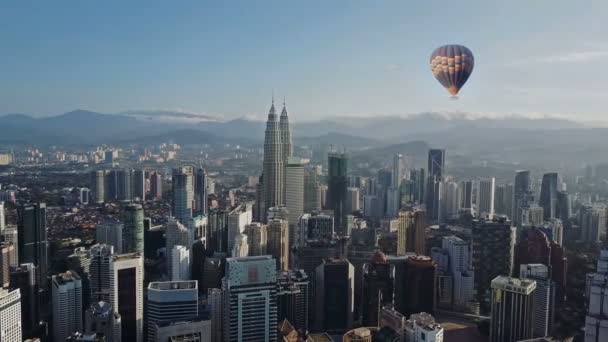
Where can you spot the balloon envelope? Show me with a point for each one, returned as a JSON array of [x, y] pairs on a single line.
[[452, 65]]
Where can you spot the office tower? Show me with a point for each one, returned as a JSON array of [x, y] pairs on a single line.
[[217, 240], [250, 299], [292, 298], [531, 216], [287, 148], [461, 270], [7, 252], [98, 185], [485, 198], [200, 192], [522, 195], [335, 295], [99, 272], [507, 199], [33, 246], [213, 271], [377, 288], [241, 247], [24, 279], [436, 172], [512, 309], [593, 223], [421, 327], [183, 194], [126, 293], [564, 205], [156, 185], [412, 231], [544, 297], [336, 192], [170, 301], [596, 287], [315, 227], [2, 219], [237, 220], [466, 195], [398, 170], [278, 243], [393, 202], [111, 185], [101, 319], [449, 201], [67, 305], [10, 235], [180, 266], [294, 194], [139, 184], [273, 164], [312, 196], [192, 329], [352, 200], [110, 233], [216, 309], [415, 285], [548, 195], [133, 230], [257, 237], [124, 185], [10, 315]]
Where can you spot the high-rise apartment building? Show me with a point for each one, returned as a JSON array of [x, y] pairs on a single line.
[[126, 293], [33, 245], [512, 309], [124, 184], [492, 247], [181, 263], [336, 193], [335, 295], [10, 315], [250, 299], [133, 230], [7, 252], [183, 194], [292, 298], [593, 223], [170, 301], [67, 305], [352, 199]]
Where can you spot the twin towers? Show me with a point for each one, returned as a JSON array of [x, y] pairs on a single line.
[[277, 149]]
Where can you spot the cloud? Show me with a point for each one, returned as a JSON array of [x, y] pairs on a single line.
[[569, 57]]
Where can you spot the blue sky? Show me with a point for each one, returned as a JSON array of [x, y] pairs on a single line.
[[329, 58]]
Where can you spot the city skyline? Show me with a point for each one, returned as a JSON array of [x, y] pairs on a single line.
[[212, 59]]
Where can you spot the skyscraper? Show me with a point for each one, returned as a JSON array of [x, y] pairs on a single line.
[[67, 305], [2, 219], [133, 231], [411, 233], [512, 309], [156, 185], [294, 193], [102, 320], [24, 279], [312, 196], [593, 223], [492, 253], [110, 233], [544, 297], [177, 235], [335, 295], [170, 301], [336, 192], [126, 293], [200, 192], [241, 247], [183, 194], [461, 270], [7, 252], [124, 184], [278, 243], [548, 195], [485, 198], [216, 308], [139, 184], [273, 163], [286, 145], [522, 195], [99, 272], [180, 266], [292, 298], [237, 220], [596, 287], [415, 285], [98, 185], [398, 170], [436, 172], [250, 299], [33, 246], [217, 240], [257, 237], [377, 288], [352, 200], [10, 315]]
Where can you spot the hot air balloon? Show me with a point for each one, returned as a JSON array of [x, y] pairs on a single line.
[[452, 66]]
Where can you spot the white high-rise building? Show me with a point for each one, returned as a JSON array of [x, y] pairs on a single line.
[[556, 227], [170, 301], [67, 305], [2, 219], [485, 197], [99, 272], [110, 233], [421, 327], [294, 193], [241, 247], [10, 316], [126, 294], [237, 220], [593, 222], [398, 171], [352, 199], [177, 234], [596, 321], [461, 269], [450, 201], [102, 320], [215, 302], [544, 297], [180, 267], [250, 299]]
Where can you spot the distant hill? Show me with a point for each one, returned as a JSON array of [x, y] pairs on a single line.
[[338, 140]]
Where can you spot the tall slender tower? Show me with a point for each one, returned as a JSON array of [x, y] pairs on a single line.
[[273, 163], [285, 134]]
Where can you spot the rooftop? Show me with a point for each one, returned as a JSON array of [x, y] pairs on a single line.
[[173, 285], [63, 278], [525, 286]]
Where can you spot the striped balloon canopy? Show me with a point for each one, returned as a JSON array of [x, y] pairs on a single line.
[[452, 66]]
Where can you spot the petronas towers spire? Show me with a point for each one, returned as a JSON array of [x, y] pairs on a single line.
[[277, 148]]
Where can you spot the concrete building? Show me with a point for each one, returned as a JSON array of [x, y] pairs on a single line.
[[98, 186], [596, 321], [156, 185], [67, 305], [250, 299], [416, 276], [352, 199], [238, 219], [241, 246], [278, 243], [593, 223], [99, 272], [170, 301], [216, 309], [110, 233], [512, 309], [421, 327], [411, 234], [544, 297], [139, 185], [126, 293], [10, 315], [7, 253], [180, 267], [378, 286], [101, 320], [257, 238], [197, 329], [200, 192]]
